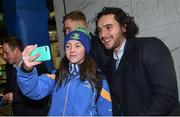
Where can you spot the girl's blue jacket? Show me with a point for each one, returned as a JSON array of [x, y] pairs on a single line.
[[74, 97]]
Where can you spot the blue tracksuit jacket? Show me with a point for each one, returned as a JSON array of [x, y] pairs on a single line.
[[73, 98]]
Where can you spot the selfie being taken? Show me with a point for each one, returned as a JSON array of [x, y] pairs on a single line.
[[89, 58]]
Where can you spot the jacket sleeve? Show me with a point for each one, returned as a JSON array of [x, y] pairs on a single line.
[[161, 76], [34, 86], [104, 104]]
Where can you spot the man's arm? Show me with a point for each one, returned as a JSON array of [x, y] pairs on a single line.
[[161, 75]]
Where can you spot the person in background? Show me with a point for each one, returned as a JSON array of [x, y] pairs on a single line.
[[143, 78], [76, 19], [21, 105], [74, 90]]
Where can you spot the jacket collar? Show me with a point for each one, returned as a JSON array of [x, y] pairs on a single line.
[[74, 69]]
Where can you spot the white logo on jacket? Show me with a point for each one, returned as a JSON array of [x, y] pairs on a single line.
[[87, 84]]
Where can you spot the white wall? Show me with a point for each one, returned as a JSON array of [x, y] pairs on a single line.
[[160, 18]]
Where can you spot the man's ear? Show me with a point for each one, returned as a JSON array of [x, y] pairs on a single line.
[[124, 28]]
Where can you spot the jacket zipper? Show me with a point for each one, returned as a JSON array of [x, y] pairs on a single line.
[[67, 93]]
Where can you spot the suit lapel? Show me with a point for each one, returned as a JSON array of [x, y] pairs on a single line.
[[118, 77], [125, 58]]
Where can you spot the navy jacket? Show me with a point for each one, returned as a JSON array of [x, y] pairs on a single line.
[[145, 81]]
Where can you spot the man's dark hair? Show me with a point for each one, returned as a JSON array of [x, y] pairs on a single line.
[[13, 42], [122, 18]]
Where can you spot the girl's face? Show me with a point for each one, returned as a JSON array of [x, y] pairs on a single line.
[[75, 51]]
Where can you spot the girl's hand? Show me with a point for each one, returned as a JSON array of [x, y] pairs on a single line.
[[28, 61]]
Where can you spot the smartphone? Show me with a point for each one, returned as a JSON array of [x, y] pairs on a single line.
[[44, 53]]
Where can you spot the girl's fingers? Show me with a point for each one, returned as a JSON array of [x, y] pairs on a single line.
[[28, 50]]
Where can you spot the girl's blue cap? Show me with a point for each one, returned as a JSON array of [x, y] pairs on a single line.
[[79, 36]]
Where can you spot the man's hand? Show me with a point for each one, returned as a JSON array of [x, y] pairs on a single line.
[[8, 97]]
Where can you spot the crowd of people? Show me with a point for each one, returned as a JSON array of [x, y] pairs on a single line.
[[112, 73]]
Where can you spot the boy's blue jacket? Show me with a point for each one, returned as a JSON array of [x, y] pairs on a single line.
[[69, 99]]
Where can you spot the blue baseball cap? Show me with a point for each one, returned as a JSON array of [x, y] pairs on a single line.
[[79, 36]]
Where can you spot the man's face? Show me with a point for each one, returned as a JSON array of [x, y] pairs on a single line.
[[110, 32], [69, 26], [9, 55]]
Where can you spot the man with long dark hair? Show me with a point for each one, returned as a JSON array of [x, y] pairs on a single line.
[[144, 79]]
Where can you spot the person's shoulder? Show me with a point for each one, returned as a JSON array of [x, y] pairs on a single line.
[[150, 42], [148, 39]]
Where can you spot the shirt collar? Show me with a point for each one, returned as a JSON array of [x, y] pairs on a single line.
[[117, 56]]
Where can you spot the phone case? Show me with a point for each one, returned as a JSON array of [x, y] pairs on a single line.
[[44, 52]]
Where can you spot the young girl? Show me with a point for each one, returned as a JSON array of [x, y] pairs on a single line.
[[74, 92]]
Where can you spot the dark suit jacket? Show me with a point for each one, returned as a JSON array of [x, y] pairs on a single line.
[[145, 81], [100, 55], [22, 105]]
